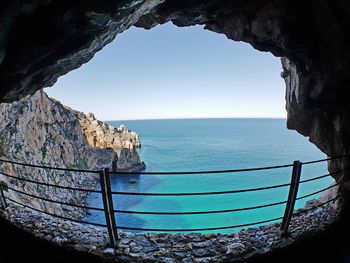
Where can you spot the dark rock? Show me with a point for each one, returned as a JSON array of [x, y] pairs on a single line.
[[201, 244], [167, 260], [136, 249], [109, 251], [149, 249], [180, 254], [200, 252], [187, 260], [235, 249], [134, 254]]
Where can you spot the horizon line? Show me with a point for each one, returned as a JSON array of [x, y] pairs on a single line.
[[194, 118]]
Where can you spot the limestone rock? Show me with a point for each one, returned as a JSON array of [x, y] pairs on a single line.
[[101, 135], [129, 160], [235, 249], [39, 130]]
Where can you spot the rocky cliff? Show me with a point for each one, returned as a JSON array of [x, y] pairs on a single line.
[[40, 130], [101, 135]]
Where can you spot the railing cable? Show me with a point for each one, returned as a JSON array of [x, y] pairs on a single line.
[[185, 172], [327, 159], [319, 191], [210, 172], [199, 229], [203, 193], [317, 206], [54, 215], [321, 176], [109, 210], [51, 185], [199, 212], [50, 167], [54, 201]]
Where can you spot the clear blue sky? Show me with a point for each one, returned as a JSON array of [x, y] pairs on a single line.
[[171, 72]]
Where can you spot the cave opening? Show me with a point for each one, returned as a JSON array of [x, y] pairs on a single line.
[[170, 84], [170, 72], [311, 109]]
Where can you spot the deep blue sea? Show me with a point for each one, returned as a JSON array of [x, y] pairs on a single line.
[[212, 144]]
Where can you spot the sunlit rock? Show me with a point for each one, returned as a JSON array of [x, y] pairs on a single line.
[[40, 130]]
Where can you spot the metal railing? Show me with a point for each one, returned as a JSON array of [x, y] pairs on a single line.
[[110, 212]]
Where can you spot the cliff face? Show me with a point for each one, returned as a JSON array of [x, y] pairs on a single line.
[[123, 141], [40, 130], [101, 135]]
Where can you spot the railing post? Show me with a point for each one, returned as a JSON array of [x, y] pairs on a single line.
[[108, 205], [293, 192], [3, 203]]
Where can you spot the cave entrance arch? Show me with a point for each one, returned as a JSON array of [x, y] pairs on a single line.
[[316, 105], [46, 40], [139, 40]]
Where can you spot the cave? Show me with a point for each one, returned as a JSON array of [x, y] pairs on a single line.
[[43, 40]]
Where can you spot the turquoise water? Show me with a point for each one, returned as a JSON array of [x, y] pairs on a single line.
[[212, 144]]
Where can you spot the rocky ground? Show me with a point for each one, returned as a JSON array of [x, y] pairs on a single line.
[[147, 247]]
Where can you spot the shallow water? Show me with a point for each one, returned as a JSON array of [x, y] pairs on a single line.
[[212, 144]]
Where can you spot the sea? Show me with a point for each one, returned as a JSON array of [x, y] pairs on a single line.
[[178, 145]]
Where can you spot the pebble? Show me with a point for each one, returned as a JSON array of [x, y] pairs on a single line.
[[200, 252], [109, 251], [187, 260], [169, 248], [235, 249], [136, 249], [201, 244]]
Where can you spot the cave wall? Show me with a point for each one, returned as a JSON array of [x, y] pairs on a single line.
[[44, 39]]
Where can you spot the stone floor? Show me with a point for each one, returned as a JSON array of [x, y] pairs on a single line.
[[147, 247]]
